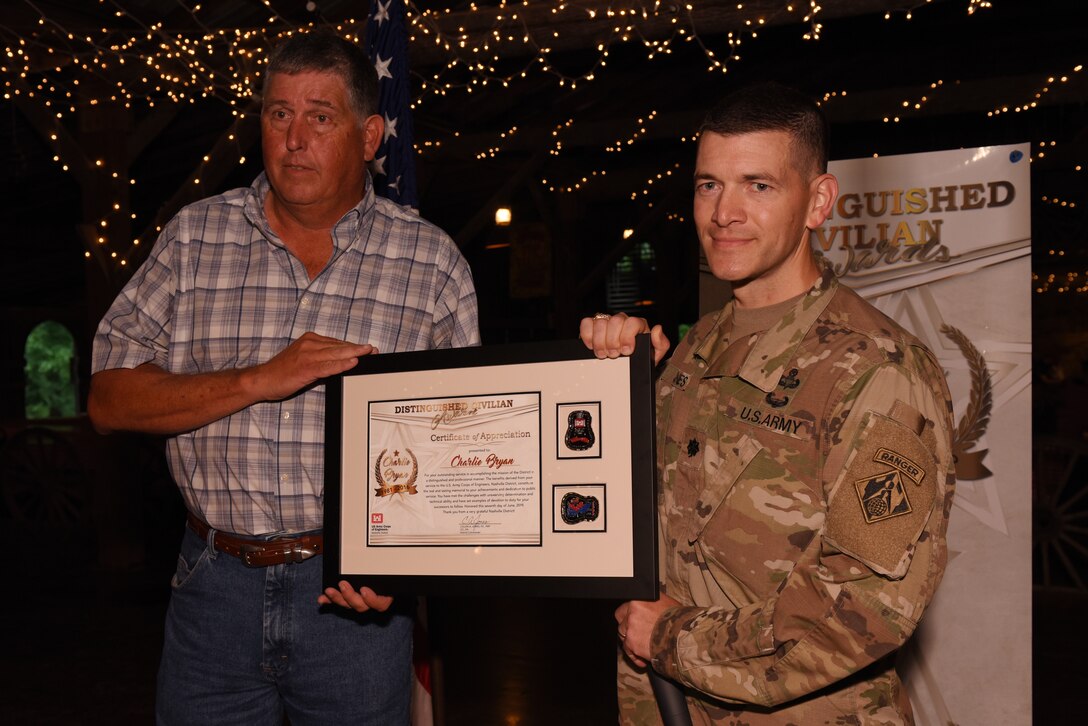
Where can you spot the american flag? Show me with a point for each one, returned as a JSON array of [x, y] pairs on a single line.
[[394, 166]]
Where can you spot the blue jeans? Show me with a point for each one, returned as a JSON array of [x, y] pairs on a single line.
[[245, 645]]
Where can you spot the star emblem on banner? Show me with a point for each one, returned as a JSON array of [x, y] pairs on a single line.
[[1009, 366], [382, 67], [378, 166], [390, 127]]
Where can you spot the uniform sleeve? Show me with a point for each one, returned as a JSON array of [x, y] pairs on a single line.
[[456, 322], [137, 327], [860, 586]]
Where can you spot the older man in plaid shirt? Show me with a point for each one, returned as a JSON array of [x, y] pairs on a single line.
[[247, 300]]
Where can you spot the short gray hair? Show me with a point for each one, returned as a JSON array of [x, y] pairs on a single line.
[[324, 50]]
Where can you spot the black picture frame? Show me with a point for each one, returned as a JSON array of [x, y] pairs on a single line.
[[557, 372]]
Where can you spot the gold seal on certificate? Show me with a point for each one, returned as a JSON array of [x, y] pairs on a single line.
[[391, 469]]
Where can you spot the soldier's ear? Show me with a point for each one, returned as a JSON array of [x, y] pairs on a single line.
[[824, 190]]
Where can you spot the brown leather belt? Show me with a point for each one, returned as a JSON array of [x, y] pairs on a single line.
[[260, 552]]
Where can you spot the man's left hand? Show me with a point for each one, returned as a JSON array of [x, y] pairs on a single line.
[[363, 600], [636, 620], [610, 336]]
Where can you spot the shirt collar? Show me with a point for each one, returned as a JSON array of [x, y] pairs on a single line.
[[344, 232]]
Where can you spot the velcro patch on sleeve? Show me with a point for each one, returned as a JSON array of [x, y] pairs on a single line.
[[883, 499]]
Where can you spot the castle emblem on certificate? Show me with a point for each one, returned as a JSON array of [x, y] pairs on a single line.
[[462, 470]]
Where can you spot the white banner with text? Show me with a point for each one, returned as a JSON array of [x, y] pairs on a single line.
[[941, 242]]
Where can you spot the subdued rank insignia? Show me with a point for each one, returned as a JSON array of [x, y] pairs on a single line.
[[575, 508], [693, 447], [579, 436], [882, 496], [681, 379]]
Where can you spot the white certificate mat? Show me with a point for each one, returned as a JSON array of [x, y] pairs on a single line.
[[445, 473]]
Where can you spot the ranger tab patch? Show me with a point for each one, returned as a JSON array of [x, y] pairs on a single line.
[[900, 462]]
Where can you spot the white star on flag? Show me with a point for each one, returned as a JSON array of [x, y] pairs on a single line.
[[382, 12], [382, 67], [387, 47]]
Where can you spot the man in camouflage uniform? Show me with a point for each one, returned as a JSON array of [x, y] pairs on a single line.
[[804, 451]]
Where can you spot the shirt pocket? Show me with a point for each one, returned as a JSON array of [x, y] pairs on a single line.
[[756, 519], [703, 477]]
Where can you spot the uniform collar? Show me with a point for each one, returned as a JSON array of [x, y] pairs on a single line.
[[769, 356]]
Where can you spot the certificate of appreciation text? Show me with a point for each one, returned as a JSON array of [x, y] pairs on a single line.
[[462, 470]]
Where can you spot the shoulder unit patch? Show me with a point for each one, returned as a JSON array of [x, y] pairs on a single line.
[[884, 497]]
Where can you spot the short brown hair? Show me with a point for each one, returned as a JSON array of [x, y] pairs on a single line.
[[774, 107]]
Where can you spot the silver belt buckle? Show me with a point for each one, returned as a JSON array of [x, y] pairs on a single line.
[[298, 553]]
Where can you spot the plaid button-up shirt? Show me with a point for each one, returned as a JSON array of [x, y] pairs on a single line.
[[220, 291]]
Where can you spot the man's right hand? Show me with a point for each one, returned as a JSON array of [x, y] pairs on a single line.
[[306, 360], [610, 336], [149, 399]]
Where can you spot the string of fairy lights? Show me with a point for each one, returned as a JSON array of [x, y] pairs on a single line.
[[493, 45], [510, 35]]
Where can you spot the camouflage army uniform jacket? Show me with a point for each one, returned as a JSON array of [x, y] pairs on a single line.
[[806, 478]]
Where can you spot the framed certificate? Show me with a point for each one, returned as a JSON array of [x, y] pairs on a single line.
[[514, 470]]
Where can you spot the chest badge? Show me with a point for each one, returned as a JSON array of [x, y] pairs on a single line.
[[788, 381], [693, 447], [681, 380]]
